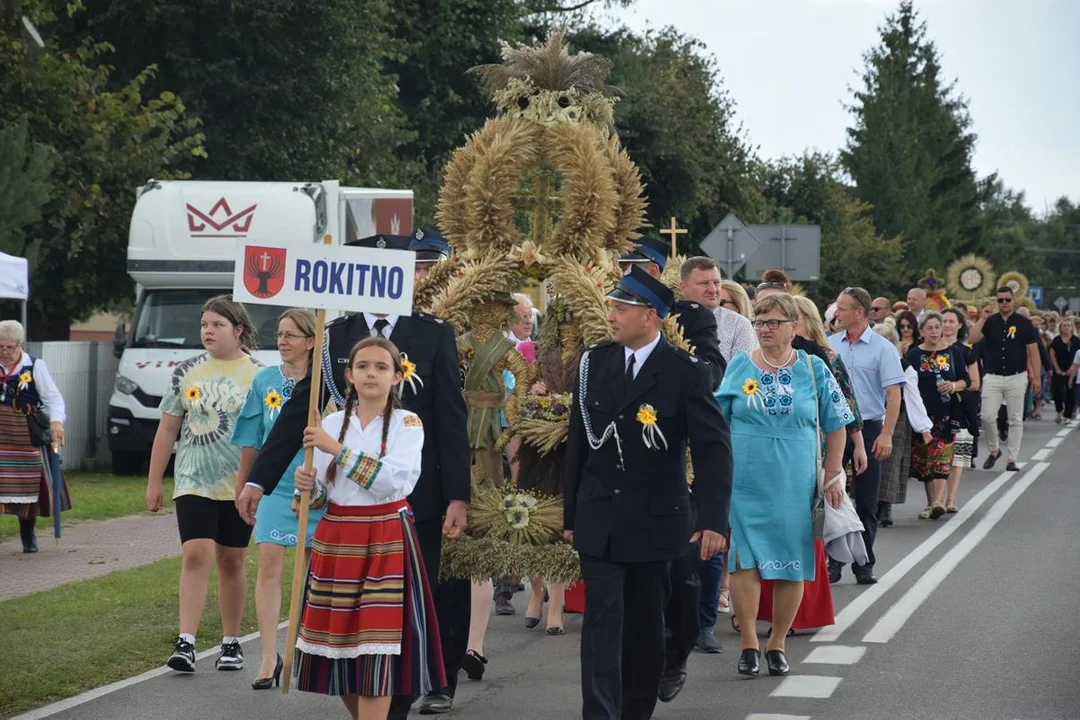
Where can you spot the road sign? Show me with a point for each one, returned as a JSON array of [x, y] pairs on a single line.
[[795, 249], [1061, 303], [325, 276], [1036, 294], [731, 243]]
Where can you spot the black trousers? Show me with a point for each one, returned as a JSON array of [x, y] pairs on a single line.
[[865, 490], [622, 637], [1064, 397], [683, 610], [452, 602]]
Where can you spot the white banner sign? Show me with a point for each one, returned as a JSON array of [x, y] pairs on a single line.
[[325, 276]]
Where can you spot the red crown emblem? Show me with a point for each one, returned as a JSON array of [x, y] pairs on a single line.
[[208, 225], [264, 271]]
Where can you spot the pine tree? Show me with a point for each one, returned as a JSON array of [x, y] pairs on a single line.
[[909, 152]]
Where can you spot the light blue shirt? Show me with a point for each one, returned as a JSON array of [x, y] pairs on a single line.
[[509, 381], [873, 364]]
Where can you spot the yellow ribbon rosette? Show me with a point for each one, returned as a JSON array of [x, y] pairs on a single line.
[[273, 401], [24, 380], [650, 431], [409, 374], [750, 390]]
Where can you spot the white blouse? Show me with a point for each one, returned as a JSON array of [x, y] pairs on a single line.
[[916, 409], [46, 387], [362, 477]]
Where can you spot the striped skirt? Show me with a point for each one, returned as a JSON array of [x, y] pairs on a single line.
[[24, 485], [368, 625]]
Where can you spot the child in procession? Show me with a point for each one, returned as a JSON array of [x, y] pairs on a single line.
[[202, 405], [368, 628]]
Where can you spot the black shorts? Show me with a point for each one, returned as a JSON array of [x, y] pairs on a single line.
[[201, 518]]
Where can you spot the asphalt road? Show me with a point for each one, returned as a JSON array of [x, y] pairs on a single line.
[[975, 618]]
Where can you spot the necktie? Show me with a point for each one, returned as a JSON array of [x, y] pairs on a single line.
[[380, 327], [628, 378]]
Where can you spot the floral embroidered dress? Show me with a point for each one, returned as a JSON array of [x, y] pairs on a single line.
[[773, 416], [275, 522]]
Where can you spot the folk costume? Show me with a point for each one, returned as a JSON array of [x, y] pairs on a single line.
[[628, 503], [275, 521], [368, 625], [432, 391], [933, 461], [26, 487]]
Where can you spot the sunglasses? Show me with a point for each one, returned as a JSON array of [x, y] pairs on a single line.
[[906, 326], [877, 309], [850, 292], [724, 302], [772, 286], [1004, 300]]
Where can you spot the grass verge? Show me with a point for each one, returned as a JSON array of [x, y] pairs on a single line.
[[64, 641], [94, 496]]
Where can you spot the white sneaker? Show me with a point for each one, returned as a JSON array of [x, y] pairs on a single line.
[[231, 657]]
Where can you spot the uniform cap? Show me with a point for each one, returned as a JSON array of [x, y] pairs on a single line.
[[638, 287]]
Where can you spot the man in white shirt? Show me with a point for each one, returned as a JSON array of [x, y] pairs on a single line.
[[521, 329]]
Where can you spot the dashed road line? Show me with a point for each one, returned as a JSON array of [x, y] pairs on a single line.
[[774, 716], [817, 687], [835, 655]]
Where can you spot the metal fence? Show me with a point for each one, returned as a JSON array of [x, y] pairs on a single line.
[[85, 373]]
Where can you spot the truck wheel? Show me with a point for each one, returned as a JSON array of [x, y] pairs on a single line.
[[128, 463]]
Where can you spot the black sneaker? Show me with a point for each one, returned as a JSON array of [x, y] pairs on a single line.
[[231, 657], [990, 460], [183, 657], [1011, 467], [503, 606]]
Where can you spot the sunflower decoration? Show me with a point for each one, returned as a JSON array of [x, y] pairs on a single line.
[[273, 401], [970, 278], [651, 433], [193, 394], [751, 391], [409, 375], [25, 378], [942, 362]]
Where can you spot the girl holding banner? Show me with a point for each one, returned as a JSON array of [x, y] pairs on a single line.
[[368, 628]]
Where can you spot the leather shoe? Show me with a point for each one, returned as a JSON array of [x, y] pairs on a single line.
[[866, 579], [436, 704], [990, 460], [749, 662], [671, 682], [835, 570], [777, 662], [707, 642]]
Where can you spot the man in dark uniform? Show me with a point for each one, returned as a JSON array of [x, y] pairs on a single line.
[[442, 491], [627, 504]]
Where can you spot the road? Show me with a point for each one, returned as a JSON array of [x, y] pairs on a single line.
[[975, 618]]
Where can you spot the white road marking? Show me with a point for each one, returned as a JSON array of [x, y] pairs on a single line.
[[855, 609], [835, 655], [1041, 454], [1054, 442], [891, 623], [807, 686], [1066, 431], [71, 702], [773, 716]]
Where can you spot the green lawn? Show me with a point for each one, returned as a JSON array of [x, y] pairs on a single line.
[[64, 641], [94, 496]]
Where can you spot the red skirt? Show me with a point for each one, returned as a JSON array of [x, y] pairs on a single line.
[[368, 625], [816, 610]]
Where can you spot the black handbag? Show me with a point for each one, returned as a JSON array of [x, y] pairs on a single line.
[[40, 432]]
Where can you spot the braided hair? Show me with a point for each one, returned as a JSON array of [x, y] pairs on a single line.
[[393, 400]]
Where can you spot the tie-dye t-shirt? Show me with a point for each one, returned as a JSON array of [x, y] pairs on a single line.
[[208, 395]]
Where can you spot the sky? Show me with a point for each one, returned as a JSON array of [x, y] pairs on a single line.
[[789, 64]]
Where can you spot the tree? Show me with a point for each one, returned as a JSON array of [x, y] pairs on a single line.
[[807, 190], [677, 122], [24, 184], [909, 151], [287, 90], [105, 142]]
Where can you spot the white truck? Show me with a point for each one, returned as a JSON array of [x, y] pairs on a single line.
[[181, 246]]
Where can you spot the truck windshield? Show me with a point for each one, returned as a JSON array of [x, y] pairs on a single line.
[[172, 319]]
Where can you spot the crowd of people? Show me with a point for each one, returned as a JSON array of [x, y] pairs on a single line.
[[773, 395]]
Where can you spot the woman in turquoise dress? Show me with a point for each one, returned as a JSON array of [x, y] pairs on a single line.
[[275, 519], [769, 400]]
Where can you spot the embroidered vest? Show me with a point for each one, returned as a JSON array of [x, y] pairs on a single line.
[[23, 396]]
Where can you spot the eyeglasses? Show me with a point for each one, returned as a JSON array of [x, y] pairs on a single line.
[[1004, 300], [850, 292], [878, 309], [771, 324], [724, 302], [290, 336]]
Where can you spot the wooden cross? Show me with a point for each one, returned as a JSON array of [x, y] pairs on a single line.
[[674, 231], [542, 204]]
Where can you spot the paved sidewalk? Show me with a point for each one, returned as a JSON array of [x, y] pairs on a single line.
[[87, 550]]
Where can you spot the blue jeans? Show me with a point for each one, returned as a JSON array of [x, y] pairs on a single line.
[[710, 572]]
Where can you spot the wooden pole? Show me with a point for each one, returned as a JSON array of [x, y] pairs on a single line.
[[299, 566]]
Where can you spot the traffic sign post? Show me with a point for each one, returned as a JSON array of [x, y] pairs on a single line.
[[1061, 303], [1036, 294], [796, 249]]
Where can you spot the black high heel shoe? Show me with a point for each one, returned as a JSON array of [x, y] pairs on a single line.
[[268, 682], [777, 662], [749, 662]]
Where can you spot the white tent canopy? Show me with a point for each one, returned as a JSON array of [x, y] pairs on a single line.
[[15, 280], [14, 277]]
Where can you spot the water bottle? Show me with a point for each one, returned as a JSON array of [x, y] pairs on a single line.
[[938, 380]]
